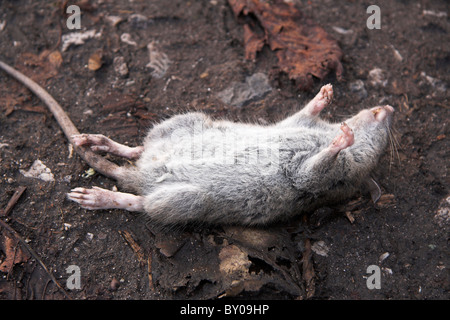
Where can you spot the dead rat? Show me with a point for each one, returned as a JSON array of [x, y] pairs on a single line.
[[192, 168]]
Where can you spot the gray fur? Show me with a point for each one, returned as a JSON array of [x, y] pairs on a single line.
[[194, 169]]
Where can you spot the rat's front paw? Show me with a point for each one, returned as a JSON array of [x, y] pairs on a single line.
[[343, 140]]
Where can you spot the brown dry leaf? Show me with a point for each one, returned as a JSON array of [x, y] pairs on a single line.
[[13, 253], [95, 61], [233, 260], [350, 217], [38, 68], [386, 200], [303, 48], [55, 58]]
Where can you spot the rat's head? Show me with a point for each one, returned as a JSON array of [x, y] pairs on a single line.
[[372, 126], [377, 117], [372, 131], [363, 139]]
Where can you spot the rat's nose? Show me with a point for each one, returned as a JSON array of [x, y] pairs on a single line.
[[389, 108]]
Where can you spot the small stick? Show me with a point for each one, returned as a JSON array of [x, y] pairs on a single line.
[[308, 270], [34, 254], [12, 202], [133, 244], [150, 274]]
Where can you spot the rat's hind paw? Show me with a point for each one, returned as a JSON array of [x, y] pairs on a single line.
[[97, 142], [98, 198], [320, 101], [91, 199]]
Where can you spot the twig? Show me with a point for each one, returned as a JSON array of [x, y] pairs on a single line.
[[133, 244], [35, 256], [12, 202], [308, 270], [150, 274]]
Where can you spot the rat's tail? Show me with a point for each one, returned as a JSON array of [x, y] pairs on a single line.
[[97, 162]]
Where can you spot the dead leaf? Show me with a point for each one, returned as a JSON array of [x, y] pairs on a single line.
[[42, 69], [168, 245], [386, 200], [304, 49], [350, 216], [233, 261], [227, 264], [13, 253], [95, 61], [55, 58]]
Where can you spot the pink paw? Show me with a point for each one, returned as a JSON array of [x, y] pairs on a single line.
[[326, 94], [92, 199], [98, 198], [96, 142], [321, 100], [343, 140]]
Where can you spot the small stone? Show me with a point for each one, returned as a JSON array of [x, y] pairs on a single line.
[[358, 88], [113, 20], [39, 171], [442, 216], [126, 38], [115, 284], [320, 248], [383, 257], [120, 66], [377, 77], [239, 94], [139, 21]]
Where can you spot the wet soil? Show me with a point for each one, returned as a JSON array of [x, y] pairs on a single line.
[[120, 256]]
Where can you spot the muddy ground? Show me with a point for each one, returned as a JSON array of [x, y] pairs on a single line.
[[120, 256]]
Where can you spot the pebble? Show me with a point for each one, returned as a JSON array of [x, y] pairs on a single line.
[[139, 21], [320, 248], [377, 77], [120, 66], [240, 93], [357, 87], [126, 38], [39, 171], [442, 216], [115, 284]]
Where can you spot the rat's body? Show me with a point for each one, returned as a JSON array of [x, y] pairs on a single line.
[[194, 169]]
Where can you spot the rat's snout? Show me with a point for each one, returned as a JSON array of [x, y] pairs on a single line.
[[378, 114], [381, 113]]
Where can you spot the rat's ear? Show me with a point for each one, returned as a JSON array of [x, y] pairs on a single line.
[[372, 186]]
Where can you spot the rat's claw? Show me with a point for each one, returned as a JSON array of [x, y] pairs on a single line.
[[83, 197]]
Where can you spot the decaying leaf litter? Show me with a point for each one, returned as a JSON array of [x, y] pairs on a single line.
[[304, 50], [211, 262]]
